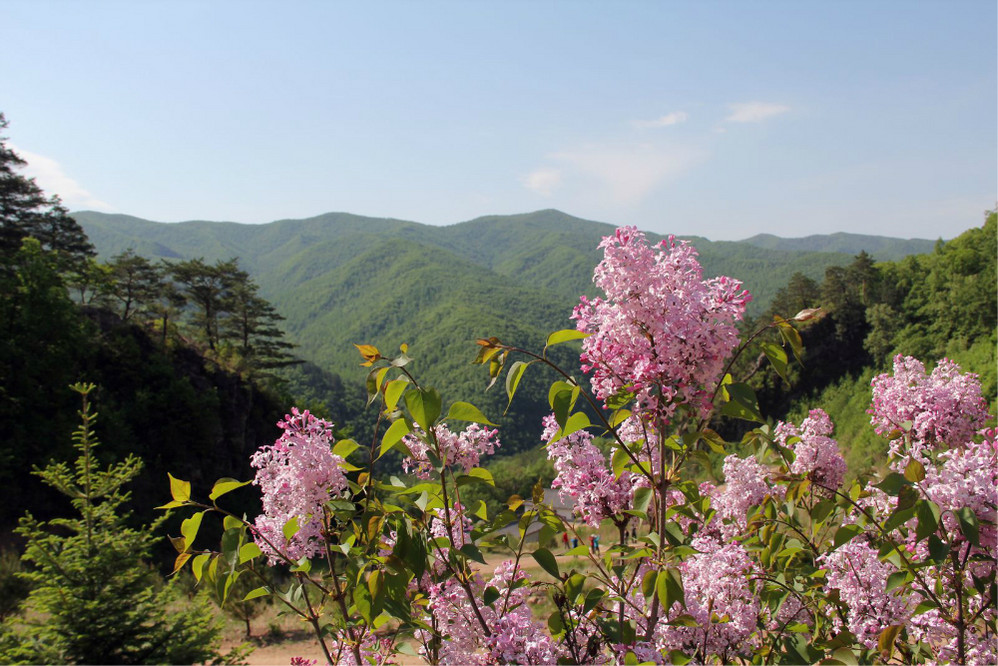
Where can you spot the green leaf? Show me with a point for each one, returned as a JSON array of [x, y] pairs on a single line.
[[669, 588], [547, 561], [684, 621], [472, 552], [592, 598], [249, 551], [642, 498], [555, 624], [362, 601], [619, 417], [490, 595], [886, 640], [578, 551], [914, 472], [476, 475], [225, 485], [197, 566], [393, 391], [424, 406], [846, 533], [396, 431], [482, 511], [777, 357], [938, 550], [180, 490], [968, 525], [576, 422], [893, 483], [741, 403], [928, 519], [564, 335], [344, 448], [258, 592], [792, 337], [179, 563], [619, 461], [821, 510], [513, 379], [899, 518], [290, 528], [561, 397], [465, 411], [189, 528], [895, 579], [679, 658]]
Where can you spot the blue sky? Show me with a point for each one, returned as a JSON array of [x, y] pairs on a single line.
[[721, 119]]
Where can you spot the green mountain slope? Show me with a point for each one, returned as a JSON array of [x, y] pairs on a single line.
[[881, 248], [341, 279]]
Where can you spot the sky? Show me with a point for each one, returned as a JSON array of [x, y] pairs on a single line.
[[709, 118]]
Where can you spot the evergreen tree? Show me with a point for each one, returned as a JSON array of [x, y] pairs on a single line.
[[252, 324], [95, 598], [26, 211], [207, 287], [136, 283]]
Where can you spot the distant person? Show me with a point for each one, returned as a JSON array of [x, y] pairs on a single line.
[[634, 534], [596, 543], [575, 542], [592, 544], [564, 539]]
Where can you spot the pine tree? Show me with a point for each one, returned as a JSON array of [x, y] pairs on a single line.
[[252, 324], [96, 599], [26, 211], [207, 287], [137, 283]]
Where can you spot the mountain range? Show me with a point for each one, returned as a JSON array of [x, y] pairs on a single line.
[[341, 279]]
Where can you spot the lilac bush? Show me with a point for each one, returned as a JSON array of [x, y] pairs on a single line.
[[779, 561]]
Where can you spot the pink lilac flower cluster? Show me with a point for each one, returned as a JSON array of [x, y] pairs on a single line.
[[514, 637], [945, 406], [719, 596], [374, 651], [636, 428], [746, 484], [816, 455], [584, 475], [662, 331], [861, 580], [979, 647], [459, 533], [968, 477], [463, 450], [297, 475]]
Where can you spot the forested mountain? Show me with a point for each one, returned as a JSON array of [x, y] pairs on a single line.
[[341, 279], [881, 248]]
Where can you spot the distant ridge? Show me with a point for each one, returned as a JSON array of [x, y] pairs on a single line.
[[881, 248], [341, 279]]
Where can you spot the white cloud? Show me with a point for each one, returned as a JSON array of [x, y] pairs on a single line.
[[542, 181], [754, 112], [49, 176], [673, 118], [628, 173]]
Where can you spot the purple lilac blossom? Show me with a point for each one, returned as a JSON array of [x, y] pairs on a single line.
[[816, 455], [662, 331], [297, 475]]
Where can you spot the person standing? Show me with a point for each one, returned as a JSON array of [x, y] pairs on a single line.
[[564, 540]]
